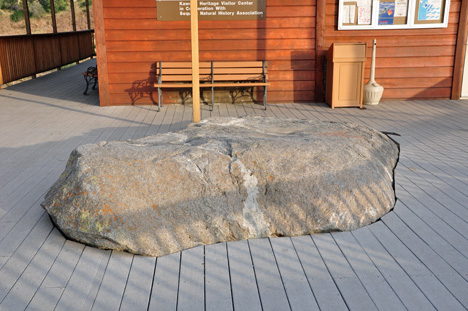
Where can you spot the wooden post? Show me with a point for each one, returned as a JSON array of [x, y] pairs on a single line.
[[52, 15], [87, 14], [195, 60], [1, 76], [26, 17], [72, 10], [101, 53], [460, 60], [320, 51]]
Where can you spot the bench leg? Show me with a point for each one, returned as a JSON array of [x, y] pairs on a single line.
[[212, 98], [159, 99], [265, 98], [95, 83], [88, 80]]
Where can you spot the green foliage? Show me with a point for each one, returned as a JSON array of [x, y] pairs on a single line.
[[60, 5], [9, 4], [36, 10], [83, 4], [17, 16]]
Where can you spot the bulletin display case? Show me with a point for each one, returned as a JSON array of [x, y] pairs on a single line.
[[392, 14]]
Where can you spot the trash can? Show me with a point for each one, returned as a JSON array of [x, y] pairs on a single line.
[[345, 74]]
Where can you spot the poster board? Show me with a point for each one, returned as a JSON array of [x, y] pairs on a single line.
[[392, 14], [429, 11]]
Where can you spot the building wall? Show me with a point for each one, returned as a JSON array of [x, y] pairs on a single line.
[[410, 63], [135, 40]]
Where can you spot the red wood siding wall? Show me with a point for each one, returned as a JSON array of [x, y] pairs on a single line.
[[411, 63], [134, 40]]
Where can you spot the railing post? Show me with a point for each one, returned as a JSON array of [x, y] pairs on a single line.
[[52, 15], [72, 10], [87, 14], [26, 17]]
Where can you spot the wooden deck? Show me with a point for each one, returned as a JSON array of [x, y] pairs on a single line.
[[415, 258]]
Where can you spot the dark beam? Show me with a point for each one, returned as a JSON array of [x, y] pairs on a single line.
[[26, 17], [87, 14], [73, 16], [52, 15]]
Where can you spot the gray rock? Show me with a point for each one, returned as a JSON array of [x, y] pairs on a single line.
[[224, 179]]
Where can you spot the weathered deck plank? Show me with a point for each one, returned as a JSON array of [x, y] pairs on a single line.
[[217, 279], [165, 283], [112, 288], [416, 258], [243, 282], [269, 281]]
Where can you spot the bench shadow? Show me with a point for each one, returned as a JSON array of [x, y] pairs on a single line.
[[143, 90]]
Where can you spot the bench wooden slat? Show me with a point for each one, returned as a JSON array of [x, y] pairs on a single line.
[[241, 84], [90, 74], [184, 78], [238, 64], [166, 65], [230, 70], [174, 85], [237, 77], [184, 71]]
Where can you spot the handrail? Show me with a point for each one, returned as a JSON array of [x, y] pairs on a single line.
[[27, 55], [48, 34]]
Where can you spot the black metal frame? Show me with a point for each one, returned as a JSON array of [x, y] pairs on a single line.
[[90, 75]]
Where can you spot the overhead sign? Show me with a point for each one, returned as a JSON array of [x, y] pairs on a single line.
[[176, 10]]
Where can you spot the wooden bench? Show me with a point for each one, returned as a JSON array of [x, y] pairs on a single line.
[[238, 76], [91, 74]]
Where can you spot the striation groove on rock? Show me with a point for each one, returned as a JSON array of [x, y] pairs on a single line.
[[224, 179]]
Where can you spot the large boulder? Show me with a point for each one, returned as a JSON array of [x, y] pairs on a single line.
[[224, 179]]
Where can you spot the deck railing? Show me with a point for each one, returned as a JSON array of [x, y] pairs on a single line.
[[27, 55]]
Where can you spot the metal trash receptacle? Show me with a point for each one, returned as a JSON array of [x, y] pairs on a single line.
[[345, 74]]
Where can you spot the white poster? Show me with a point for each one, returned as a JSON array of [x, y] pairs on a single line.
[[401, 8], [352, 13], [364, 15], [346, 14], [365, 3]]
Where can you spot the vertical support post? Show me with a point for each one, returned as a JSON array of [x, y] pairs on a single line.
[[52, 15], [73, 16], [460, 49], [87, 14], [1, 76], [101, 53], [195, 60], [320, 50], [26, 17]]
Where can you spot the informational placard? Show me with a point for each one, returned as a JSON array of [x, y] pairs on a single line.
[[429, 11], [401, 8], [364, 15], [386, 13], [176, 10]]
